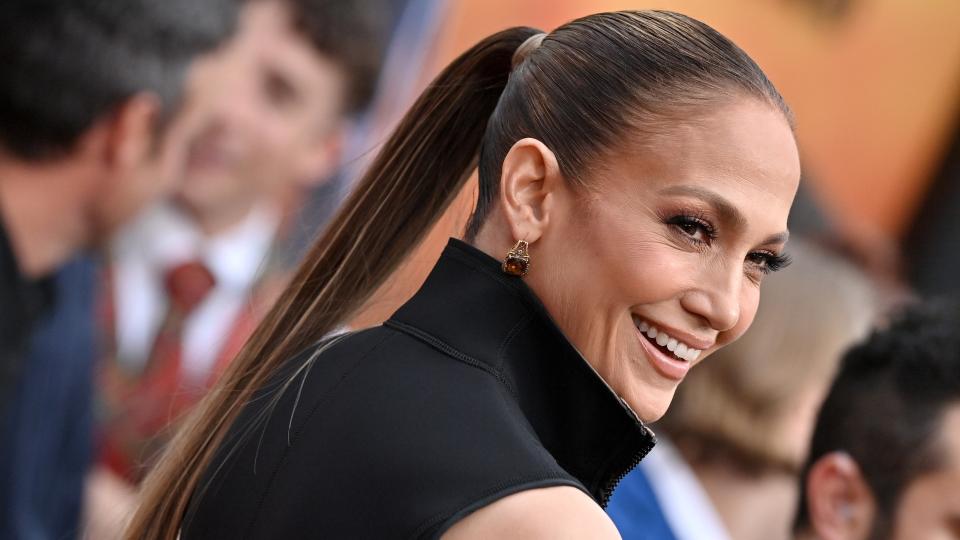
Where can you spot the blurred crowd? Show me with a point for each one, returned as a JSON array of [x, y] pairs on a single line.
[[164, 167]]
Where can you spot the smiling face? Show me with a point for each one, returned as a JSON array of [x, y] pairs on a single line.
[[658, 261], [277, 106]]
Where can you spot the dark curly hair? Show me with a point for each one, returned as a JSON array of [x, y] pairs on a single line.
[[885, 407]]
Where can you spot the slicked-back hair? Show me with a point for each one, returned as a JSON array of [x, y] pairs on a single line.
[[68, 63]]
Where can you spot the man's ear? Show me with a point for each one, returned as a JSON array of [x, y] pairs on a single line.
[[132, 132], [840, 503], [529, 183]]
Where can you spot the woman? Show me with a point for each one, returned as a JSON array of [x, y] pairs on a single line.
[[636, 171]]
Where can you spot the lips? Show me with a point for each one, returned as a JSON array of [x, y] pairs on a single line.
[[212, 149], [206, 156], [664, 340], [670, 356]]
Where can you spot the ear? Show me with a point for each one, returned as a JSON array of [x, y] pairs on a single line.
[[529, 184], [132, 134], [839, 500], [318, 163]]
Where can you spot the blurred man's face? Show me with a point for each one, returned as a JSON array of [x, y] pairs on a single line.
[[275, 122], [929, 507], [143, 163]]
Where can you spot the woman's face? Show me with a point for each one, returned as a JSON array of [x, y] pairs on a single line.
[[659, 262]]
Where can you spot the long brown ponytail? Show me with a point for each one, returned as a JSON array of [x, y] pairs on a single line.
[[419, 170]]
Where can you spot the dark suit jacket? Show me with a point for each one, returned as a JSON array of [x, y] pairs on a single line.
[[45, 430], [22, 302]]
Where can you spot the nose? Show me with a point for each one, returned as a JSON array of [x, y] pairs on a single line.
[[235, 104], [717, 298]]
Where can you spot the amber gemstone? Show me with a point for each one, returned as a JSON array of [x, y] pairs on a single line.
[[516, 267]]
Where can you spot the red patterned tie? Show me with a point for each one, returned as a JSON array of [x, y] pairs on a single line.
[[159, 395], [186, 285]]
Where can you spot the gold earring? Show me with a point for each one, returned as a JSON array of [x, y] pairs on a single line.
[[517, 261]]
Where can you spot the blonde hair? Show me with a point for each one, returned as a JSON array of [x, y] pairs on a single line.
[[733, 407]]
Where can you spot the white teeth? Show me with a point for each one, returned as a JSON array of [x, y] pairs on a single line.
[[678, 348]]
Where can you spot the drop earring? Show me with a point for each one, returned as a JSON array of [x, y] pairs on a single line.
[[517, 261]]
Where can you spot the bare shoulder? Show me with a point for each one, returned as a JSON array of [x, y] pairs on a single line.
[[561, 512]]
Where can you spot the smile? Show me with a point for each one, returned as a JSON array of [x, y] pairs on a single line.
[[664, 340], [670, 356]]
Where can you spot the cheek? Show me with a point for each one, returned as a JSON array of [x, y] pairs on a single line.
[[271, 134], [749, 302], [133, 193], [271, 154], [269, 125], [285, 141], [919, 515], [634, 265]]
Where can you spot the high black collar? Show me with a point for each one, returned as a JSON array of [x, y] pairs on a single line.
[[495, 322]]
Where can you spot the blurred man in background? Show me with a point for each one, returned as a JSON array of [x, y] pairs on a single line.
[[92, 126], [190, 280], [885, 457], [87, 87], [736, 435]]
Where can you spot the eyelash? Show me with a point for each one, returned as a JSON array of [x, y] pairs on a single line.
[[771, 261], [766, 262], [684, 221]]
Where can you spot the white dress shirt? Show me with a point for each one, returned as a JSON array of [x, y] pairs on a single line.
[[163, 238], [685, 504]]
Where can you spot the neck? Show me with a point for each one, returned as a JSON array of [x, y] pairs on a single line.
[[42, 206], [752, 508], [494, 238]]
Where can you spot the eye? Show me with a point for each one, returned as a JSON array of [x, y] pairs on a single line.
[[697, 229], [278, 89], [767, 261]]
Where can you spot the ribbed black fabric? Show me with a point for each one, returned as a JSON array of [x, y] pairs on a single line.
[[467, 394]]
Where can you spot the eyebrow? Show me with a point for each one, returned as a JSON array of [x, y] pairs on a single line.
[[726, 210]]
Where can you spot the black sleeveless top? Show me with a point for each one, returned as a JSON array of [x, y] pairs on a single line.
[[469, 393]]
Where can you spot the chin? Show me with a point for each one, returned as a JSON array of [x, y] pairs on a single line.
[[650, 404]]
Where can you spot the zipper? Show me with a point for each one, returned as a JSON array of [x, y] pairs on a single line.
[[607, 491]]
